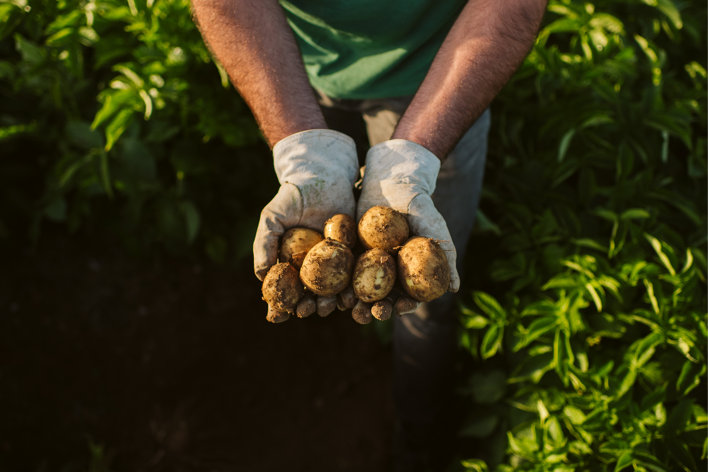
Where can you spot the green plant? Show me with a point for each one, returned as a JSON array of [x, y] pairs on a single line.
[[596, 192], [120, 108]]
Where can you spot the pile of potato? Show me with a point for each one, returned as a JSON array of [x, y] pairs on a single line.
[[320, 272]]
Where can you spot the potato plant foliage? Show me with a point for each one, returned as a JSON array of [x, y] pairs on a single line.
[[592, 350], [590, 333], [113, 113]]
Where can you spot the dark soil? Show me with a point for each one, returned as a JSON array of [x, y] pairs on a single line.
[[173, 366]]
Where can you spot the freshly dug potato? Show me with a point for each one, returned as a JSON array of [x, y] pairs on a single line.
[[382, 309], [405, 305], [362, 312], [326, 305], [296, 243], [275, 316], [306, 307], [423, 269], [282, 288], [341, 228], [383, 228], [374, 275], [327, 268], [346, 299]]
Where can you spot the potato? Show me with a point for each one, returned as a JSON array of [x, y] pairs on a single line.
[[362, 312], [306, 307], [423, 269], [327, 268], [374, 275], [383, 228], [326, 305], [296, 243], [275, 316], [341, 228], [346, 299], [382, 309], [405, 305], [282, 288]]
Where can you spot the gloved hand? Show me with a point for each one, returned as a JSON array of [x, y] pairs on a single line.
[[401, 174], [316, 170]]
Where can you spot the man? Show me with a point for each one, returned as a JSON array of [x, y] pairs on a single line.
[[422, 73]]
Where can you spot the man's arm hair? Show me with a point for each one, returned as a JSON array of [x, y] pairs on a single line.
[[485, 46], [257, 48]]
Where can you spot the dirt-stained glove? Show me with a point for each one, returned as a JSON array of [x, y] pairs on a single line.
[[401, 174], [316, 170]]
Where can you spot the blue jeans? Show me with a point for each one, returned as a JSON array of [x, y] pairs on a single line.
[[424, 342]]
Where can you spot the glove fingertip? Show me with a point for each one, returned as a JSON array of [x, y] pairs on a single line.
[[261, 273]]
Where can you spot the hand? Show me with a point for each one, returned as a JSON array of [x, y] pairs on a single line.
[[316, 170], [401, 175]]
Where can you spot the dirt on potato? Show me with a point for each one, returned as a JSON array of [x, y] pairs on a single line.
[[341, 228], [423, 270], [383, 228], [282, 289], [327, 269]]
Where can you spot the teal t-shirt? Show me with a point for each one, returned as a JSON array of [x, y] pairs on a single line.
[[369, 48]]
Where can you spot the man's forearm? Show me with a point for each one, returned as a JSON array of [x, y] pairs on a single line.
[[485, 46], [255, 45]]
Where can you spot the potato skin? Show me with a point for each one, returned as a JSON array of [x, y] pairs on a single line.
[[327, 268], [382, 309], [341, 228], [383, 228], [423, 269], [282, 288], [374, 275], [296, 243]]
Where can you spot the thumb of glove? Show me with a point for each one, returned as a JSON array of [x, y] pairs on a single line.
[[283, 212]]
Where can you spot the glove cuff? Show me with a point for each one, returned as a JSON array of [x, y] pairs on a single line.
[[403, 161], [316, 153]]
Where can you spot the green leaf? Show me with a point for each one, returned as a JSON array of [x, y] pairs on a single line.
[[646, 348], [30, 52], [475, 322], [690, 377], [668, 8], [489, 305], [574, 415], [590, 243], [627, 382], [656, 244], [536, 329], [105, 175], [114, 102], [624, 461], [635, 214], [482, 224], [652, 298], [595, 297], [678, 417], [565, 144], [116, 127], [475, 465], [492, 341], [680, 453]]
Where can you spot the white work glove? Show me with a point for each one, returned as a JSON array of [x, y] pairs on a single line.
[[401, 174], [316, 170]]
